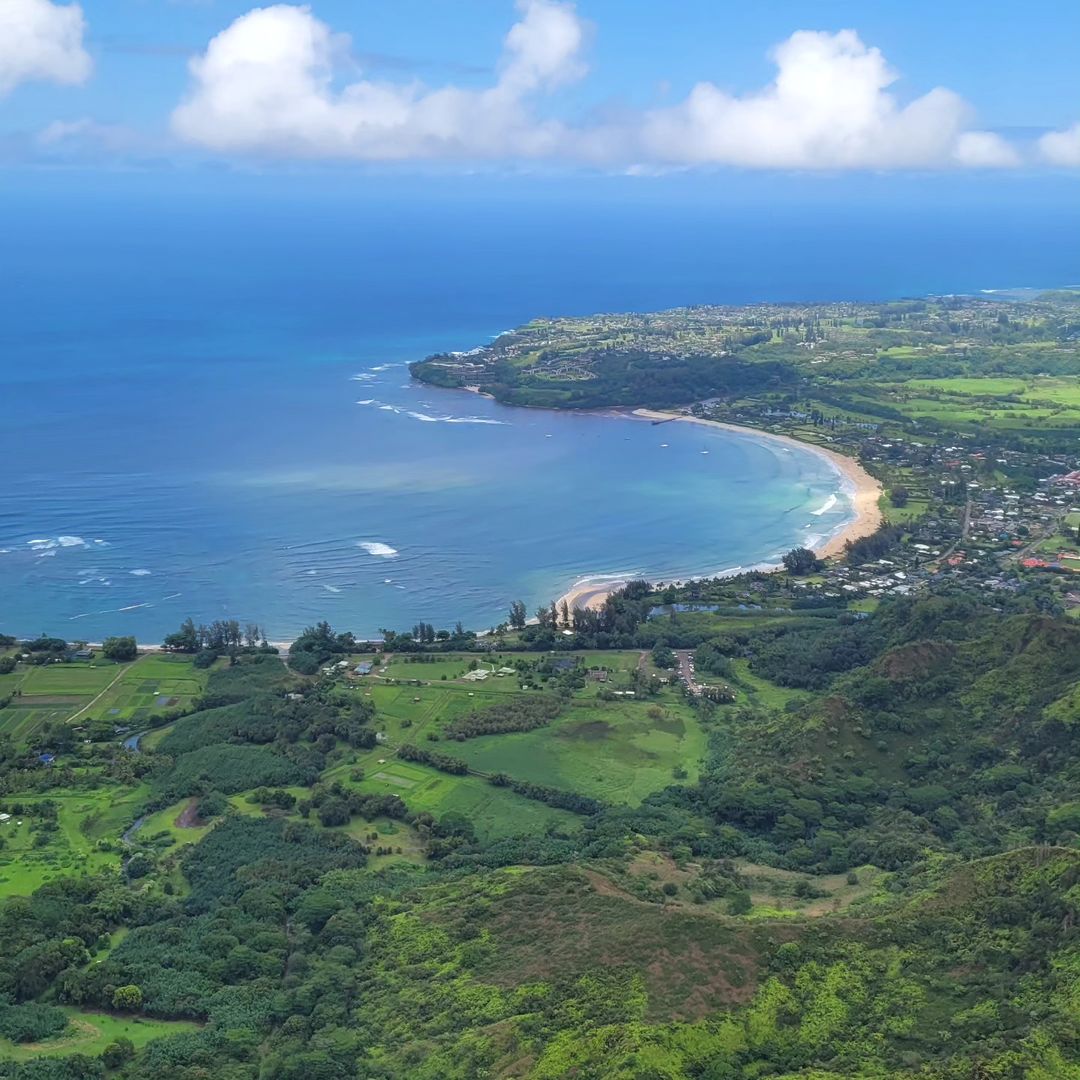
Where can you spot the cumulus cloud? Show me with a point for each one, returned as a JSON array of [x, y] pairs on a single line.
[[40, 40], [1062, 147], [828, 108], [266, 85]]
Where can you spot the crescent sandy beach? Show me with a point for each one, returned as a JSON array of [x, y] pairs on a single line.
[[862, 489]]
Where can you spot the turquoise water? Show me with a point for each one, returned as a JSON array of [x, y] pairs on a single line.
[[206, 409]]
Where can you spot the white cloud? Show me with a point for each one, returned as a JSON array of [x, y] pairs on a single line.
[[87, 132], [828, 108], [40, 40], [1062, 147], [265, 85]]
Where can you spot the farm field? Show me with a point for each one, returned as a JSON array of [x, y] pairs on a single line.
[[614, 751], [90, 1032], [130, 693], [153, 684], [84, 818]]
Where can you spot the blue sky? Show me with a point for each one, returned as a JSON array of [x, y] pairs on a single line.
[[606, 87]]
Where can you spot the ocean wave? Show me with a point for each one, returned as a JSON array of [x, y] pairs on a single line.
[[332, 588], [383, 367], [133, 607], [367, 401], [829, 503], [389, 408], [49, 543], [425, 418], [364, 377], [380, 550], [139, 573]]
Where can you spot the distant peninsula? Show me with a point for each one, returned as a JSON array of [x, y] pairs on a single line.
[[846, 355]]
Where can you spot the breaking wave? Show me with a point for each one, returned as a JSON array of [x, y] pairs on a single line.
[[382, 551]]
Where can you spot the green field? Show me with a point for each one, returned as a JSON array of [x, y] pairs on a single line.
[[1003, 403], [165, 821], [449, 668], [85, 818], [125, 694], [90, 1032], [494, 811], [757, 691], [614, 751], [70, 679], [153, 684], [407, 712]]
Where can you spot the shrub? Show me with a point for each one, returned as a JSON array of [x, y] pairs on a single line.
[[31, 1022]]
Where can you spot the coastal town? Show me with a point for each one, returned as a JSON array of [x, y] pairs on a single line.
[[961, 460]]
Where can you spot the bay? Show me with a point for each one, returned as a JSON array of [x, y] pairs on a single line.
[[206, 408]]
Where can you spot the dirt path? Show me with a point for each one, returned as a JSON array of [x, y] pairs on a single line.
[[90, 704]]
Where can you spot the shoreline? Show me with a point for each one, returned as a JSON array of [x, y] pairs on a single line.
[[862, 489], [591, 591]]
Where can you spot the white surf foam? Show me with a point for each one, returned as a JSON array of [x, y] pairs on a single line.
[[829, 503], [428, 419], [139, 573], [71, 541], [380, 550], [332, 588]]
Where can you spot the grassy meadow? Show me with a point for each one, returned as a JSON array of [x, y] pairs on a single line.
[[90, 1032], [619, 751]]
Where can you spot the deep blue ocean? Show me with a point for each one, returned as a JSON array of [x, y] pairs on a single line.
[[205, 408]]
